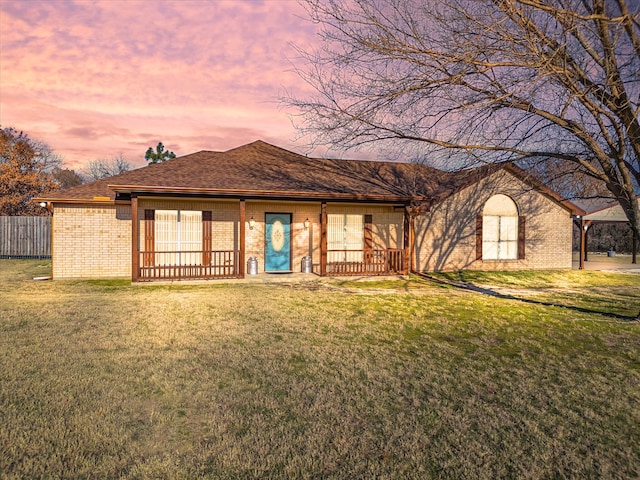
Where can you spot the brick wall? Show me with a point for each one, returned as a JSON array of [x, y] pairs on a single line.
[[95, 241], [387, 230], [225, 218], [446, 236], [91, 241], [303, 241]]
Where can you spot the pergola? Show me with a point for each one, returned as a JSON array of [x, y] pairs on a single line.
[[612, 213]]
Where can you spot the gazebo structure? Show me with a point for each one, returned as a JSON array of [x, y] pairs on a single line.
[[601, 212]]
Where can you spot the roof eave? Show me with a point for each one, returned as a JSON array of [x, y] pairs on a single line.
[[293, 195], [75, 200], [535, 183]]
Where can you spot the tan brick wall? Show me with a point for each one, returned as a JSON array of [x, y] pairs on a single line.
[[446, 236], [303, 241], [95, 241], [225, 214], [388, 225], [91, 241], [387, 228]]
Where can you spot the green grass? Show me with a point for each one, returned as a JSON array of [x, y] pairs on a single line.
[[406, 379], [605, 292]]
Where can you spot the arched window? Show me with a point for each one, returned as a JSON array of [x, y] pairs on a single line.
[[500, 230]]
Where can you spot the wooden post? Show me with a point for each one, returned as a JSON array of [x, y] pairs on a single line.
[[584, 228], [412, 245], [51, 243], [407, 239], [135, 244], [243, 217], [323, 239], [583, 238]]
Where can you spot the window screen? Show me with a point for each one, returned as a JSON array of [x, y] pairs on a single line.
[[346, 234], [178, 237]]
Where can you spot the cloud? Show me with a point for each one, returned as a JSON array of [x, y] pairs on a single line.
[[89, 76]]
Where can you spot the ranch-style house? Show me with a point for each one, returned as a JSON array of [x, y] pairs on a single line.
[[210, 214]]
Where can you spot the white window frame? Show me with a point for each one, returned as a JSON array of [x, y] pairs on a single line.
[[345, 232], [500, 228], [499, 237], [178, 237]]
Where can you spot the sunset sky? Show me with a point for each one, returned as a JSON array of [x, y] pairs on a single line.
[[97, 78]]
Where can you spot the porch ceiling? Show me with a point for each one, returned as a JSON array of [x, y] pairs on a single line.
[[267, 194]]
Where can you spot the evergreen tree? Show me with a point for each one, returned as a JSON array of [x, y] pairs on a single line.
[[160, 155]]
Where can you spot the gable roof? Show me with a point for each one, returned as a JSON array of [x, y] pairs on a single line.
[[605, 210], [259, 169]]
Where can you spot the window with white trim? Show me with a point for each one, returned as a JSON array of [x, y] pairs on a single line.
[[345, 233], [500, 229], [178, 237]]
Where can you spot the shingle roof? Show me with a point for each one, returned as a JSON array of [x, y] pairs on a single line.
[[590, 205], [261, 169]]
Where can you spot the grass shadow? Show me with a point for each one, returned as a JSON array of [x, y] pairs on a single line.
[[487, 291]]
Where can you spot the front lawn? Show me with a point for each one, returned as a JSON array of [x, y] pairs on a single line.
[[400, 379]]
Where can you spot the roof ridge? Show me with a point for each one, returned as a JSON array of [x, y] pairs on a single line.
[[262, 143], [267, 169]]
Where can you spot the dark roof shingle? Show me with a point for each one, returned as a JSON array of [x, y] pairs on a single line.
[[259, 168]]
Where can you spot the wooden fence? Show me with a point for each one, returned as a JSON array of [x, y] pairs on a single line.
[[25, 237]]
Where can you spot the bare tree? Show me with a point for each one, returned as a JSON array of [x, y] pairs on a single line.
[[66, 177], [103, 167], [48, 160], [471, 81]]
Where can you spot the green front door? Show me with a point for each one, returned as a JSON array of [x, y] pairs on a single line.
[[278, 242]]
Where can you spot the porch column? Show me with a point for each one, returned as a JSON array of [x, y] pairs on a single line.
[[634, 248], [243, 216], [323, 239], [135, 243], [407, 240], [585, 227], [583, 237], [412, 244]]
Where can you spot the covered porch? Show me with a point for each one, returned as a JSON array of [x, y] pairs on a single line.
[[612, 214], [340, 239]]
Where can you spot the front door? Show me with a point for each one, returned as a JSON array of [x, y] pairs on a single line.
[[278, 242]]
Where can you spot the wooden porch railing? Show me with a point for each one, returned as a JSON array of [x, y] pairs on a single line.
[[366, 262], [189, 265]]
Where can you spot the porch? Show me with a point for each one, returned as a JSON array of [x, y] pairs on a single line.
[[340, 244], [189, 265], [391, 261], [210, 265]]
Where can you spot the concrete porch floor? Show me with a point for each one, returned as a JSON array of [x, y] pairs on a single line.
[[619, 263], [267, 278], [601, 262]]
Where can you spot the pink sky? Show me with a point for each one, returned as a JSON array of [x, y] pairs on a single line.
[[97, 78]]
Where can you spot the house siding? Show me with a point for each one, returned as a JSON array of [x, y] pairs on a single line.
[[91, 241], [388, 224], [445, 237], [94, 241], [387, 232], [225, 218]]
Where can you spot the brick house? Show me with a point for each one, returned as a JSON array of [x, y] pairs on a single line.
[[206, 214]]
